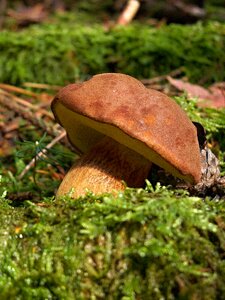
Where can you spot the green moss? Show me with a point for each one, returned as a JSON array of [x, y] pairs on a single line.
[[54, 58], [63, 52], [154, 244]]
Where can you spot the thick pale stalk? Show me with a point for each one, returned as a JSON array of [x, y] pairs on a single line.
[[105, 168]]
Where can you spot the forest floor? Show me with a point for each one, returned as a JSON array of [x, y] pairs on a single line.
[[162, 241]]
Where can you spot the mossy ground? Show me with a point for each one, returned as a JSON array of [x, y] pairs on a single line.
[[141, 244], [66, 51]]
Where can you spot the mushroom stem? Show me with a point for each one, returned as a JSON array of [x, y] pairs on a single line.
[[105, 168]]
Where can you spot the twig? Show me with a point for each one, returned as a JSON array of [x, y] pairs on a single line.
[[162, 77], [42, 86], [6, 101], [48, 127], [129, 12], [24, 103], [17, 99], [41, 154], [190, 9], [12, 88]]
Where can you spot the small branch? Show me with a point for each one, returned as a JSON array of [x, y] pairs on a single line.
[[12, 88], [41, 154], [7, 101], [189, 9], [17, 99], [129, 12], [162, 77], [23, 103], [42, 86]]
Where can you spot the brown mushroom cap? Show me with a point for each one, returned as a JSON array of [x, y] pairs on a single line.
[[145, 120]]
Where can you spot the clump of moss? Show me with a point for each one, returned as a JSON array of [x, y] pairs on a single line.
[[153, 244], [58, 54], [65, 52], [151, 52]]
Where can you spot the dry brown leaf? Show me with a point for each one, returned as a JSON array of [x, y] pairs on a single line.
[[33, 14], [212, 97]]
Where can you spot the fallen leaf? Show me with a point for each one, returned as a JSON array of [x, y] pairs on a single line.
[[27, 15], [214, 96], [218, 96]]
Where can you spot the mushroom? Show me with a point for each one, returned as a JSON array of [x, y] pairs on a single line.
[[119, 127]]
